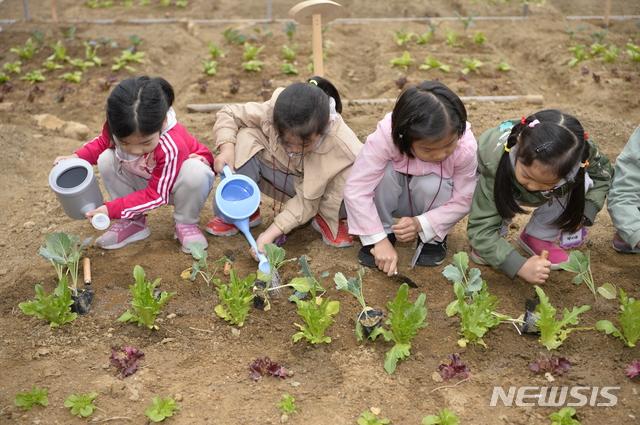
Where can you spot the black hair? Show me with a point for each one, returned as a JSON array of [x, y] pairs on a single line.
[[138, 105], [302, 109], [558, 143], [429, 111]]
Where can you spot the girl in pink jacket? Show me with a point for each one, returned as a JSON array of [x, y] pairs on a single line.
[[419, 167], [147, 159]]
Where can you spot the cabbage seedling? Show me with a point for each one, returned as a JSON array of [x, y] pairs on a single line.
[[354, 287]]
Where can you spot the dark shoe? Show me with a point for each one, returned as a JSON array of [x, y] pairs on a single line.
[[366, 258], [432, 254], [621, 246]]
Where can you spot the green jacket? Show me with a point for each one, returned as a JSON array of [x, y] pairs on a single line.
[[484, 220], [624, 198]]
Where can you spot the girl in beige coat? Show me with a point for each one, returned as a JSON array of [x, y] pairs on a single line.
[[299, 150]]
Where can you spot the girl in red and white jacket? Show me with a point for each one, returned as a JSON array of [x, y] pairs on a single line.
[[147, 159]]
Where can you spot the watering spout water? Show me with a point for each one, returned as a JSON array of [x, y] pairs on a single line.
[[243, 225]]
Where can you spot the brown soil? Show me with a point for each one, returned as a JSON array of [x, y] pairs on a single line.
[[199, 359]]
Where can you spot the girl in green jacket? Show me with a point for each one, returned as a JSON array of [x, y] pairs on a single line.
[[543, 161]]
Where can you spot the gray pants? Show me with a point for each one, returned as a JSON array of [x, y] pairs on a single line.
[[392, 195], [189, 193]]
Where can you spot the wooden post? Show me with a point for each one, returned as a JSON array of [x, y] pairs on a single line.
[[54, 15], [607, 12], [318, 68]]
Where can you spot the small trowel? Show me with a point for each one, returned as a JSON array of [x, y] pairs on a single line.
[[400, 278]]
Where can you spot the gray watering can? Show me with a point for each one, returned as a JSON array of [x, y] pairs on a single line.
[[76, 187]]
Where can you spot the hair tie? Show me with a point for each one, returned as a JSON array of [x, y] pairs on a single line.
[[534, 123], [506, 148], [586, 136], [399, 136], [584, 164], [314, 82], [523, 120]]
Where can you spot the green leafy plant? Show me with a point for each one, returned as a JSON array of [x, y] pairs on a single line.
[[597, 48], [571, 32], [553, 332], [451, 38], [13, 67], [136, 41], [633, 52], [478, 37], [250, 52], [403, 61], [564, 417], [33, 77], [252, 66], [235, 298], [182, 3], [369, 418], [503, 66], [611, 54], [201, 267], [146, 304], [467, 21], [39, 35], [4, 78], [56, 308], [262, 33], [579, 54], [81, 404], [457, 272], [234, 36], [402, 37], [91, 52], [354, 287], [629, 319], [50, 65], [59, 52], [25, 52], [288, 68], [28, 400], [126, 57], [581, 265], [210, 67], [405, 319], [289, 52], [290, 30], [317, 311], [430, 62], [424, 38], [287, 406], [65, 250], [470, 65], [444, 417], [433, 26], [214, 50], [161, 409], [599, 36], [72, 77]]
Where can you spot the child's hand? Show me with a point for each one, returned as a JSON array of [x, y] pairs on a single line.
[[62, 158], [386, 256], [199, 158], [103, 209], [226, 156], [268, 236], [406, 229], [535, 270]]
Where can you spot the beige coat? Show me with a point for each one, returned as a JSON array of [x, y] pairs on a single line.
[[318, 176]]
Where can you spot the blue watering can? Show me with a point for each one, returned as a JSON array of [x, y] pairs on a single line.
[[236, 198]]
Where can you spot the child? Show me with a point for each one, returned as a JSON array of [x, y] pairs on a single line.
[[418, 166], [544, 161], [624, 197], [147, 159], [299, 150]]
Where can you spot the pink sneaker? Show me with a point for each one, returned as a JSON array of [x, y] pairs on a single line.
[[535, 246], [189, 233], [123, 232]]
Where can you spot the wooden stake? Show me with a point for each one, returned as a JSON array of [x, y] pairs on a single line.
[[86, 266], [318, 68], [544, 255], [607, 12], [54, 15]]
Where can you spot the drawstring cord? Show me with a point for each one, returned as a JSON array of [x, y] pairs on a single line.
[[284, 189], [409, 190]]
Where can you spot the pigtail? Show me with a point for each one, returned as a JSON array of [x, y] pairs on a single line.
[[329, 89], [505, 202], [167, 89], [571, 217]]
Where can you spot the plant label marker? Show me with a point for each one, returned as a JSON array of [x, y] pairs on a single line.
[[315, 13]]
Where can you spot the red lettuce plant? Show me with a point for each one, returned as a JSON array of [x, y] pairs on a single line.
[[264, 366], [126, 365], [455, 368], [557, 365], [633, 369]]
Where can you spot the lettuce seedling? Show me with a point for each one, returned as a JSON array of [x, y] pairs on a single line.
[[457, 272], [81, 404], [127, 365], [146, 305], [28, 400], [431, 62], [455, 368], [470, 65], [552, 331], [252, 66], [405, 319], [564, 417], [161, 409], [287, 406], [25, 52], [369, 418], [56, 308], [633, 369], [404, 61], [265, 366], [202, 267], [317, 311], [629, 319], [250, 52], [401, 36], [557, 365], [235, 298], [444, 417]]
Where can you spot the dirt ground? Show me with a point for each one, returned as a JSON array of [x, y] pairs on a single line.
[[202, 361]]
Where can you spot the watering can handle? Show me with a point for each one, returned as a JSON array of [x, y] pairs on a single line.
[[226, 172]]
